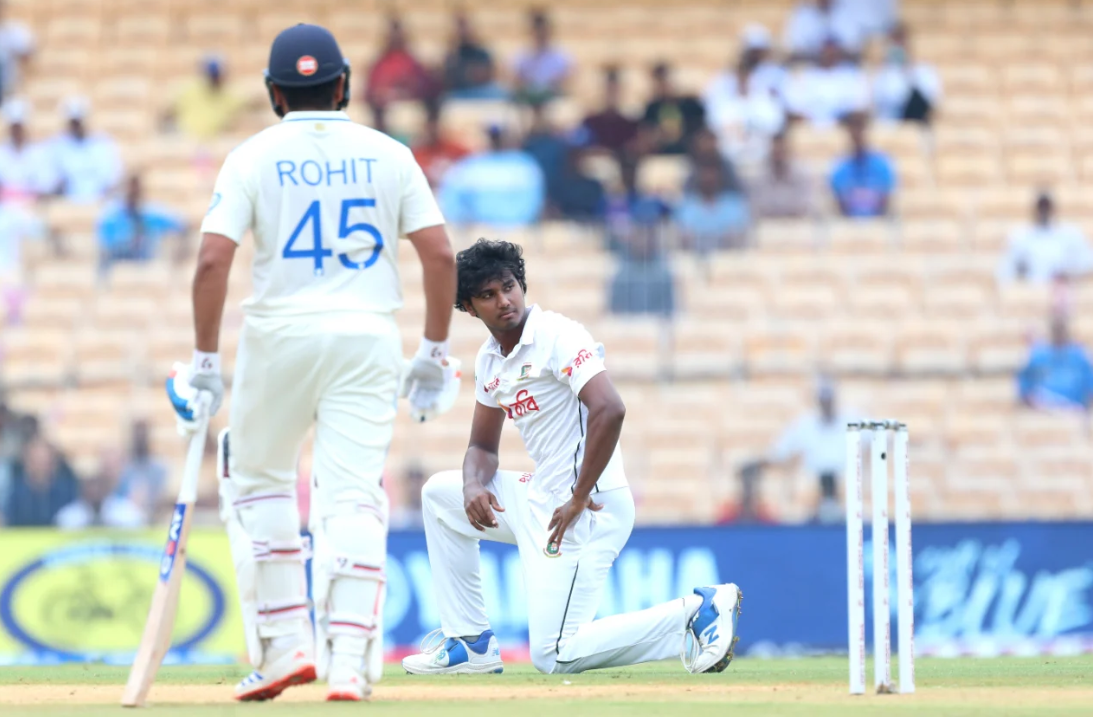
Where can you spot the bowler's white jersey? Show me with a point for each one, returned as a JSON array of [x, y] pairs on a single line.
[[327, 200], [537, 385]]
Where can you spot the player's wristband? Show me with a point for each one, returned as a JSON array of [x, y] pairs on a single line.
[[433, 350], [206, 363]]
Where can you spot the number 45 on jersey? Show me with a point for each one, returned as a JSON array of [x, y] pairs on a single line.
[[314, 217]]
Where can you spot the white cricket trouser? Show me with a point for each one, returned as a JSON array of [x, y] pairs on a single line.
[[563, 592], [340, 373]]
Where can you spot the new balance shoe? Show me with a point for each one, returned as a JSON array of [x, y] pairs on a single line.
[[346, 680], [710, 638], [293, 667], [455, 656]]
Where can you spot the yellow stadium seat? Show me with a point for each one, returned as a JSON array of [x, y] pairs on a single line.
[[999, 346], [663, 174], [779, 350], [931, 347], [35, 357], [59, 281], [102, 357], [859, 346]]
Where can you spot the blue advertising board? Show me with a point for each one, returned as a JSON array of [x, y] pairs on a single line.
[[980, 588]]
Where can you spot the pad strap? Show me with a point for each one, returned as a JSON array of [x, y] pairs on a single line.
[[270, 612]]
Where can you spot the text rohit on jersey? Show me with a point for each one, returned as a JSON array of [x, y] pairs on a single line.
[[326, 173]]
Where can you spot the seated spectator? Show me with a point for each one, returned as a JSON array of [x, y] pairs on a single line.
[[18, 225], [874, 17], [435, 152], [829, 91], [132, 229], [96, 505], [206, 108], [783, 188], [1046, 250], [862, 182], [16, 49], [144, 477], [744, 104], [546, 145], [41, 484], [628, 210], [469, 72], [503, 187], [812, 24], [396, 75], [818, 440], [670, 119], [576, 196], [643, 282], [611, 128], [704, 149], [903, 89], [88, 165], [1058, 375], [542, 71], [408, 515], [712, 217], [26, 169]]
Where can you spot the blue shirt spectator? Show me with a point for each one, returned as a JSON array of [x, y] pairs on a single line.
[[864, 181], [41, 484], [131, 230], [1058, 374], [503, 187], [711, 217]]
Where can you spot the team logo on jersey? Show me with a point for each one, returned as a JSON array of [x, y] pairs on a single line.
[[524, 404], [525, 372], [307, 65], [526, 477], [552, 550]]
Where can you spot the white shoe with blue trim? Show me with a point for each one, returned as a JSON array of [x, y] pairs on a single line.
[[711, 638], [455, 656], [292, 667]]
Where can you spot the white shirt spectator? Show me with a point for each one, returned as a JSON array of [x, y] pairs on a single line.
[[820, 444], [25, 171], [1039, 253], [825, 95], [743, 124], [893, 83], [16, 42], [542, 71], [809, 27], [875, 17], [115, 512], [17, 225]]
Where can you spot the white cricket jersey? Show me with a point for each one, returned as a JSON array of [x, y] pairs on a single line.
[[537, 386], [327, 200]]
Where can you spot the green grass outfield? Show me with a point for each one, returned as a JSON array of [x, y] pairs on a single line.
[[809, 686]]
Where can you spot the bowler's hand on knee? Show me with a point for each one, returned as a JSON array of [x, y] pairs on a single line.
[[479, 504]]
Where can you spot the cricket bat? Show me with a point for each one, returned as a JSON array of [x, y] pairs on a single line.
[[156, 639]]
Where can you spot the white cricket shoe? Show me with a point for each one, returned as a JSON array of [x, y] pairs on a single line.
[[295, 666], [346, 680], [711, 637], [455, 656]]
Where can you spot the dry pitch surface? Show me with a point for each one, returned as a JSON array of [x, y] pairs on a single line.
[[813, 686]]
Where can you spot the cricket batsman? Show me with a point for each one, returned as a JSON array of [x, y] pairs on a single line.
[[326, 201], [569, 519]]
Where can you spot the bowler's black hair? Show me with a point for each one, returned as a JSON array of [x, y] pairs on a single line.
[[483, 262]]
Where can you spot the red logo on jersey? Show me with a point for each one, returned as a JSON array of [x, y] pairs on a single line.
[[526, 478], [307, 65], [492, 384], [525, 403]]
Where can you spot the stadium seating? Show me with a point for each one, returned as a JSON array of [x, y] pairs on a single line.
[[906, 313]]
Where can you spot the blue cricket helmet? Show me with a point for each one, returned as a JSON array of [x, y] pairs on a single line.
[[304, 56]]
